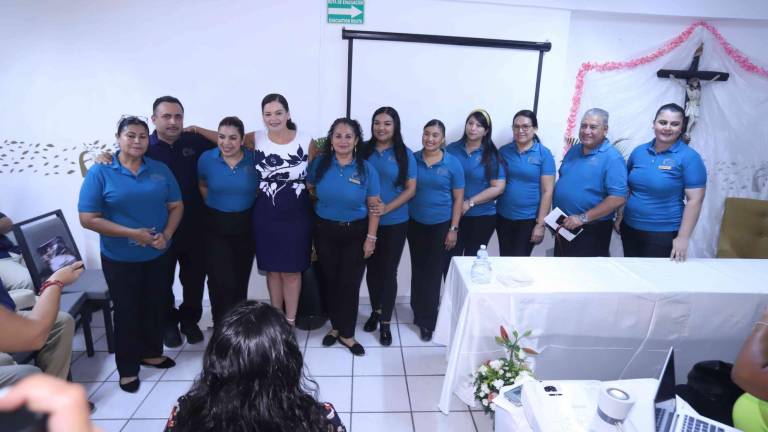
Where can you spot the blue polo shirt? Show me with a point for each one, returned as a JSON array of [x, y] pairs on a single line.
[[181, 157], [386, 166], [433, 202], [229, 189], [134, 201], [342, 192], [522, 194], [657, 183], [474, 176], [587, 179]]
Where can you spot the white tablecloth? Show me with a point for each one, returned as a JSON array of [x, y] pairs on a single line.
[[599, 318]]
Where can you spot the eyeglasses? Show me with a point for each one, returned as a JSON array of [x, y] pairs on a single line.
[[522, 128], [128, 118]]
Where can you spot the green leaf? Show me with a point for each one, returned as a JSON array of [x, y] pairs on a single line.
[[527, 333]]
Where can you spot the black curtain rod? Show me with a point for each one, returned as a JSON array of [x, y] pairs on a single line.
[[445, 40]]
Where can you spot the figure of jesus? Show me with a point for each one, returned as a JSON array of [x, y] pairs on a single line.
[[693, 90]]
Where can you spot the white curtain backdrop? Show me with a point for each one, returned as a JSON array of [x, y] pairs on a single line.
[[731, 133]]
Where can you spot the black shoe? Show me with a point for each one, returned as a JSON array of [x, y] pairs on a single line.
[[385, 335], [355, 348], [131, 387], [192, 332], [329, 340], [426, 334], [372, 322], [172, 337], [165, 364]]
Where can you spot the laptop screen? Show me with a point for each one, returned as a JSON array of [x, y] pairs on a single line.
[[665, 394]]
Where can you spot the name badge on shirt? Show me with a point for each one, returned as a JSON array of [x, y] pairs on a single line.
[[667, 164], [355, 180]]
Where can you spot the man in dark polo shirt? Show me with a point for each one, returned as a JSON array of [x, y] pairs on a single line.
[[180, 151]]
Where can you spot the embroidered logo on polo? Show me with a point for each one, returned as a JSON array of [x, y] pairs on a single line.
[[157, 177], [534, 160], [187, 152], [443, 172]]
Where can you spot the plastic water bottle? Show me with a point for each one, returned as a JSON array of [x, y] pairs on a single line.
[[481, 268]]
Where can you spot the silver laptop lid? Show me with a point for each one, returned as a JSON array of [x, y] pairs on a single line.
[[665, 393]]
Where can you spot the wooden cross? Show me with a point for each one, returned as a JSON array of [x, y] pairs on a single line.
[[692, 72]]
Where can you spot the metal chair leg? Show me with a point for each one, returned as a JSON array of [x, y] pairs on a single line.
[[85, 321], [108, 327]]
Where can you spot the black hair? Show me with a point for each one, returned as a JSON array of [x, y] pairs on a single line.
[[672, 107], [275, 97], [436, 122], [251, 379], [490, 160], [130, 120], [325, 162], [169, 99], [530, 115], [401, 156], [233, 121]]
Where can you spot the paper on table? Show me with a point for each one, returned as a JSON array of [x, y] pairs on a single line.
[[555, 218]]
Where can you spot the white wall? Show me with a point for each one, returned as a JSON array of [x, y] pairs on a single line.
[[69, 70]]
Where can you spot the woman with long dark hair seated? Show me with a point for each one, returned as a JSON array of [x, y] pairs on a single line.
[[252, 380]]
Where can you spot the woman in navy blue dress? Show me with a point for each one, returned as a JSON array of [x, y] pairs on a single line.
[[282, 213]]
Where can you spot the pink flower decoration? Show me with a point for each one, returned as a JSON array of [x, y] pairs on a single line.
[[732, 52]]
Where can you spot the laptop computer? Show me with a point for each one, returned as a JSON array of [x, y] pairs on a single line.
[[668, 417]]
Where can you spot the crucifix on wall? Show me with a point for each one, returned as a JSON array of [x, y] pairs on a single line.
[[694, 80]]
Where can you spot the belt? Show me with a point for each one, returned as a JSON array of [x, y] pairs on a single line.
[[342, 223]]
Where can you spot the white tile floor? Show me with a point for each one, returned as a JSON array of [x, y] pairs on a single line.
[[390, 389]]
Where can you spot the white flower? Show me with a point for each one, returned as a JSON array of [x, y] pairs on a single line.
[[509, 374], [484, 388], [499, 383], [485, 402], [483, 369], [493, 407], [496, 364], [481, 394]]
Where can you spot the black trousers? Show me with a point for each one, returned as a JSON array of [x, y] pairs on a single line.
[[515, 236], [139, 295], [339, 247], [473, 232], [187, 249], [427, 246], [382, 268], [228, 259], [646, 244], [594, 241]]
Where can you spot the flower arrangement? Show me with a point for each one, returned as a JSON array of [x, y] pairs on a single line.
[[492, 375]]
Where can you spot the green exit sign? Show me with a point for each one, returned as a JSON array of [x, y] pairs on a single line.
[[346, 11]]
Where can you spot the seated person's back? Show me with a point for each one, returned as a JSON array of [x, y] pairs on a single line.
[[252, 380]]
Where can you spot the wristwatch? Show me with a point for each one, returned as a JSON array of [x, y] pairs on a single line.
[[453, 228], [583, 218]]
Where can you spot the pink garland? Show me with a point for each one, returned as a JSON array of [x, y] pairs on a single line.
[[735, 54]]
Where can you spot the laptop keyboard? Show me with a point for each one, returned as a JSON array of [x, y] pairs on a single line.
[[691, 424], [663, 420]]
